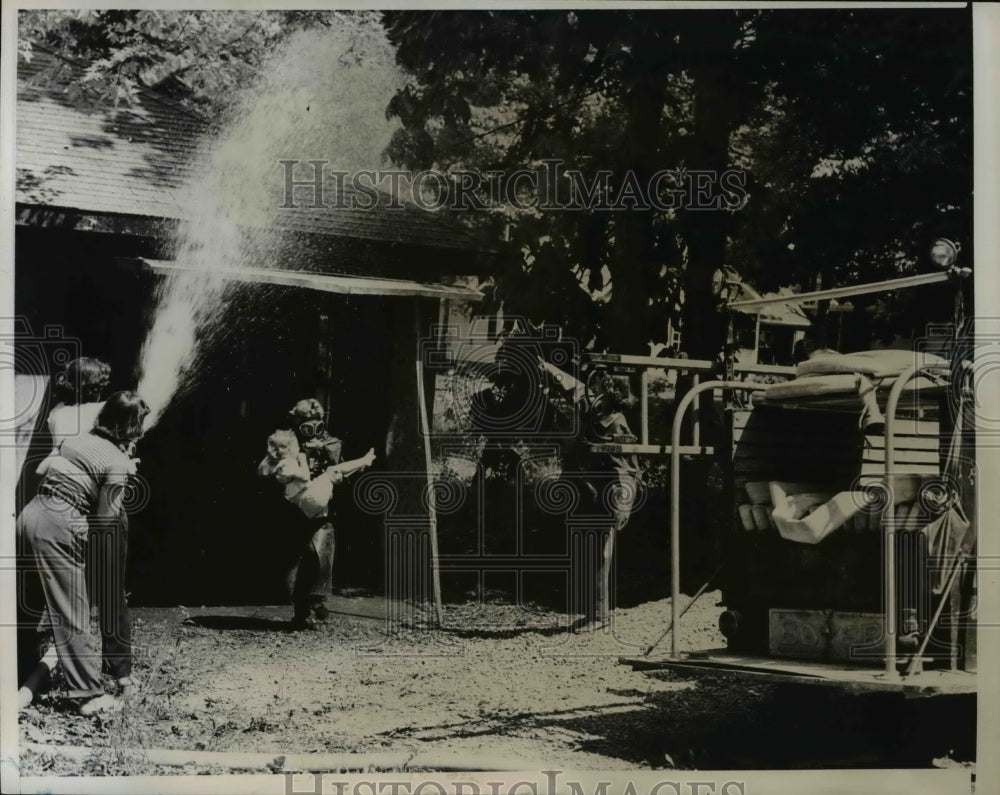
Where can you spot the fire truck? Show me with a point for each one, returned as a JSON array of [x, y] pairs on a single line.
[[850, 558]]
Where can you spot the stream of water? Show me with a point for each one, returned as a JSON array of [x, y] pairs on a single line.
[[320, 96]]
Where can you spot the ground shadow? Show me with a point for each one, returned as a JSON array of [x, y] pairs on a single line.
[[731, 725], [244, 623], [504, 633]]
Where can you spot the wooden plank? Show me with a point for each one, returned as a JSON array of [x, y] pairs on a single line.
[[777, 421], [878, 470], [854, 678], [771, 444], [842, 472], [634, 448], [783, 466], [820, 474], [764, 369], [903, 456], [694, 365], [909, 427], [811, 452], [901, 442], [649, 449], [833, 437], [804, 449], [801, 448], [911, 400], [832, 434]]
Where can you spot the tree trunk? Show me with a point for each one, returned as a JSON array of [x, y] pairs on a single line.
[[629, 330], [710, 46], [708, 43]]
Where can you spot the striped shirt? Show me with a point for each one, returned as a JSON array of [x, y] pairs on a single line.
[[83, 466]]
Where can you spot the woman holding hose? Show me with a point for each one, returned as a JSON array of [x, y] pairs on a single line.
[[80, 497]]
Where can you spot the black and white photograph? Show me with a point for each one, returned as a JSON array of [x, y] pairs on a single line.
[[537, 398]]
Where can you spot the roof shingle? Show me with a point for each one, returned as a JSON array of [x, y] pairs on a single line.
[[138, 160]]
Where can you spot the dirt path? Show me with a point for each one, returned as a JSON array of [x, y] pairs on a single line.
[[498, 679]]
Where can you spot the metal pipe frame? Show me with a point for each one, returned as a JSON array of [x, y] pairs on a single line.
[[889, 575], [675, 498], [644, 407], [845, 292], [688, 365], [888, 516]]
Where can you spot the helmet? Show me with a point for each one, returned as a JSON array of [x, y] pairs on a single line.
[[308, 409]]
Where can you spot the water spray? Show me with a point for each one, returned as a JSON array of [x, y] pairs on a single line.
[[309, 102]]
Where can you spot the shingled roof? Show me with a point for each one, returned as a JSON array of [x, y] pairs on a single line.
[[134, 161]]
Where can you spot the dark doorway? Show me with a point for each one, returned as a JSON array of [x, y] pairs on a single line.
[[212, 531]]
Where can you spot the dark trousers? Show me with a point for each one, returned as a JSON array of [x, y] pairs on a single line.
[[608, 506], [107, 552], [310, 577], [593, 553]]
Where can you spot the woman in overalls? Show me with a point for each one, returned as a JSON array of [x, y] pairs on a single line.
[[81, 494], [82, 386]]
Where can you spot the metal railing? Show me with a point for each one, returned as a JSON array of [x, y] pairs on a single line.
[[697, 367], [675, 500]]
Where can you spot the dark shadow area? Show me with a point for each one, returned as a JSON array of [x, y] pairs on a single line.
[[493, 724], [209, 514], [728, 725], [239, 623], [504, 519], [502, 633]]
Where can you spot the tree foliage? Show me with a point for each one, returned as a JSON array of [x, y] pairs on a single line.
[[598, 91], [861, 154], [199, 57], [853, 128]]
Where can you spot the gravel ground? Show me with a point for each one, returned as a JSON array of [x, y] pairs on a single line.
[[498, 679]]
